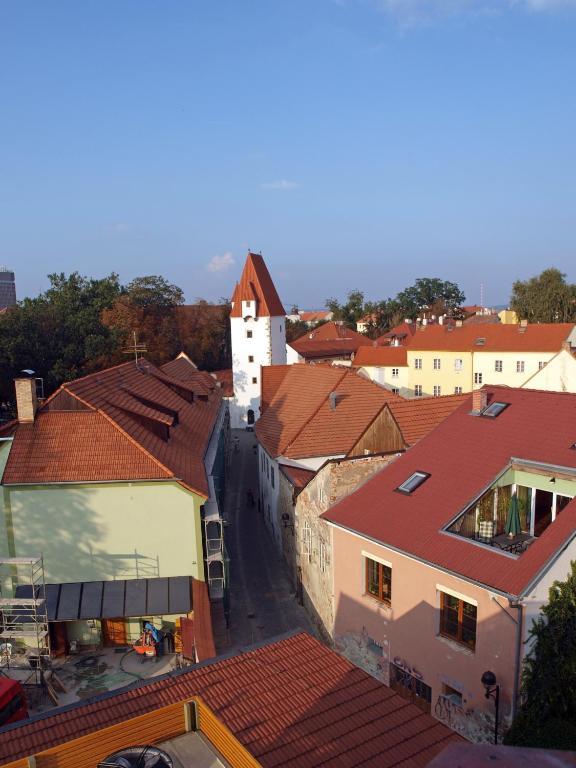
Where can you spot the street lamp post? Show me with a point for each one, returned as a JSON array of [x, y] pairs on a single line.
[[492, 689]]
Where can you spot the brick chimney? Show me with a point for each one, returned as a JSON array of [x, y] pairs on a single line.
[[26, 402], [479, 400]]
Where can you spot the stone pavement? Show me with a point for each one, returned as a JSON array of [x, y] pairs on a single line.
[[262, 600]]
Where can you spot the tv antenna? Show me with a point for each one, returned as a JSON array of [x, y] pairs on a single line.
[[136, 348]]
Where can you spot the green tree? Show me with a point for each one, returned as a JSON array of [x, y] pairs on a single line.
[[547, 715], [430, 295], [59, 334], [547, 298], [349, 312], [147, 306], [295, 329]]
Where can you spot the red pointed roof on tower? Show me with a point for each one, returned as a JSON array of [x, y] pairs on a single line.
[[256, 285]]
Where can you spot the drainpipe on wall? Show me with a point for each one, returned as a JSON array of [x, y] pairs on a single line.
[[518, 605]]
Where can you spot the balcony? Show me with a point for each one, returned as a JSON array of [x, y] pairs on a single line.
[[489, 520]]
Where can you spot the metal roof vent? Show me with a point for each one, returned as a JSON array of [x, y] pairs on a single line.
[[333, 398], [146, 756]]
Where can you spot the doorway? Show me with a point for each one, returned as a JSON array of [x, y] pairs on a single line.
[[113, 632], [542, 511], [250, 416]]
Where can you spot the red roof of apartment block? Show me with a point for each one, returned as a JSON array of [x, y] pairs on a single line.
[[329, 340], [315, 316], [463, 456], [271, 376], [381, 357], [544, 337], [403, 332], [300, 420], [164, 425], [256, 285], [292, 702]]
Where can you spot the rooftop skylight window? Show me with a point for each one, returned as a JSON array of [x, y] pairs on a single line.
[[480, 341], [495, 409], [414, 481]]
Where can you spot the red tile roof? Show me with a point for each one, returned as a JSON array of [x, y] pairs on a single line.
[[141, 401], [297, 476], [381, 356], [271, 377], [464, 455], [256, 284], [403, 332], [328, 340], [419, 416], [77, 446], [545, 337], [300, 422], [321, 710], [224, 378], [316, 316]]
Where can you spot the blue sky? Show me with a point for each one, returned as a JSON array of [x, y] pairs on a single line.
[[356, 143]]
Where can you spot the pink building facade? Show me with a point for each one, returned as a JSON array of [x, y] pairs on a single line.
[[400, 639]]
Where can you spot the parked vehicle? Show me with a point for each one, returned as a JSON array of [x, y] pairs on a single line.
[[12, 701]]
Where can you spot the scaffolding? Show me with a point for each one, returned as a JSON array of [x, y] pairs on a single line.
[[24, 637]]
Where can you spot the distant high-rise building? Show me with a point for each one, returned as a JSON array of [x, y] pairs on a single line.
[[7, 288]]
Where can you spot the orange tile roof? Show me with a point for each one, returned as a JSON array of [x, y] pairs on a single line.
[[315, 316], [74, 447], [271, 377], [404, 332], [463, 456], [545, 337], [417, 417], [256, 283], [381, 356], [224, 378], [327, 340], [293, 702], [297, 476], [299, 422], [141, 401]]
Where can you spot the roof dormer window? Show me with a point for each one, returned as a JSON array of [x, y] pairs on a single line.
[[495, 409], [413, 482]]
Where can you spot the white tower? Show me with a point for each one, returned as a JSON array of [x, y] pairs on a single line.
[[258, 330]]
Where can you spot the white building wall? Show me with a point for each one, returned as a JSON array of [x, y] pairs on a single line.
[[269, 490], [383, 375], [559, 375], [484, 363], [265, 346], [292, 356]]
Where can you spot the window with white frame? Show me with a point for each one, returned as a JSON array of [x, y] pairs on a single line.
[[437, 391], [519, 366], [458, 364], [436, 363], [498, 366], [541, 365], [395, 391], [457, 390], [248, 334], [418, 363], [477, 378], [395, 373], [306, 546], [250, 358], [418, 390]]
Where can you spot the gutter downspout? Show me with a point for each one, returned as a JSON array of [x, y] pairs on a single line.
[[515, 696]]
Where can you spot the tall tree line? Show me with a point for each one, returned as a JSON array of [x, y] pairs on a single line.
[[81, 324]]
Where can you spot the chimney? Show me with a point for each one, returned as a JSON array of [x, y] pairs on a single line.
[[566, 345], [479, 401], [26, 402], [523, 326], [333, 397]]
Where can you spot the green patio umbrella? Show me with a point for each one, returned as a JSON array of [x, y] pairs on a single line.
[[513, 526]]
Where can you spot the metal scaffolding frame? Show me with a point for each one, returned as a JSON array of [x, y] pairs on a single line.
[[24, 637]]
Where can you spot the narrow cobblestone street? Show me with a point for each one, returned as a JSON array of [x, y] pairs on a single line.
[[262, 600]]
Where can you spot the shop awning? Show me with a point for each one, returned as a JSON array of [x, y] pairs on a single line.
[[122, 598]]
